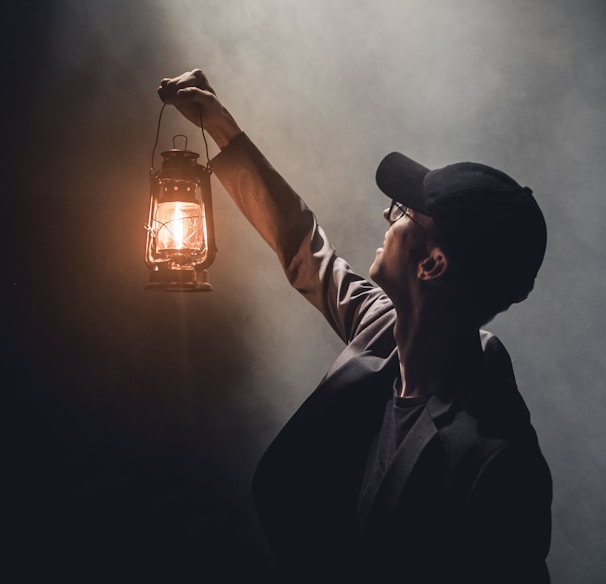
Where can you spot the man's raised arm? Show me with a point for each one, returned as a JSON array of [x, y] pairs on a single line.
[[275, 210]]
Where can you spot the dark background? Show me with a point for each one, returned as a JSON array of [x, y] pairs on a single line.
[[134, 420]]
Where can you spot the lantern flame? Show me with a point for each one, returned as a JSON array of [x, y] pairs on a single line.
[[179, 226]]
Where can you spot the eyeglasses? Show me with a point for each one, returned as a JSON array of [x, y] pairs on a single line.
[[397, 211]]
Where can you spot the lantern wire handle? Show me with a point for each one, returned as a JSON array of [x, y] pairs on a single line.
[[209, 167], [208, 164], [157, 137]]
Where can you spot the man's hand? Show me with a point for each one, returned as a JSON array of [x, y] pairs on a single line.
[[193, 96]]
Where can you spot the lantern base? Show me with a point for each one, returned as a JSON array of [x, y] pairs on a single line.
[[178, 281]]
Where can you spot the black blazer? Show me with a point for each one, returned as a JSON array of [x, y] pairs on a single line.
[[467, 498]]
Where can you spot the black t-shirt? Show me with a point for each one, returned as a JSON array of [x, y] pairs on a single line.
[[400, 415]]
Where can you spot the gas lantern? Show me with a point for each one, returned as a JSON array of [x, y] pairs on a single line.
[[180, 231]]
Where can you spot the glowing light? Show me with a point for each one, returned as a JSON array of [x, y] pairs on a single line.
[[180, 226]]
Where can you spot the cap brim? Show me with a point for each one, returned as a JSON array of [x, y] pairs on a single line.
[[401, 178]]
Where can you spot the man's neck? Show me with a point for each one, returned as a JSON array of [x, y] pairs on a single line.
[[432, 349]]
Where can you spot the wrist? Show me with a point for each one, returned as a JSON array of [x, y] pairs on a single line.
[[223, 130]]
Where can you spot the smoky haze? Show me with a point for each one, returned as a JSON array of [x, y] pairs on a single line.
[[136, 415]]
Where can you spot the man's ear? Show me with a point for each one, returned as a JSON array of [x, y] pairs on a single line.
[[435, 265]]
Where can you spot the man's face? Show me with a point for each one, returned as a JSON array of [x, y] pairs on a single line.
[[395, 265]]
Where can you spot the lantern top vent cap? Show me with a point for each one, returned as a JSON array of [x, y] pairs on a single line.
[[176, 154], [179, 159]]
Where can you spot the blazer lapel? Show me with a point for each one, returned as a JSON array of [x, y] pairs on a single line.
[[346, 406], [424, 430]]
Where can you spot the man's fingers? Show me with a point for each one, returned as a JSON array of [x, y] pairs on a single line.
[[202, 80], [167, 90], [192, 91], [192, 95], [194, 80], [163, 93]]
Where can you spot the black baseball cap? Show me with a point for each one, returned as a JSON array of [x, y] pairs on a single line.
[[491, 225]]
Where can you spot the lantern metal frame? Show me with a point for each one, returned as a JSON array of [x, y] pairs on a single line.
[[180, 180]]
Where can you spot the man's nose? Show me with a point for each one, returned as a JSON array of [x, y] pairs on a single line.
[[386, 215]]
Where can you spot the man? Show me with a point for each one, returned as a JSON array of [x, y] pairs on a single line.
[[414, 460]]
